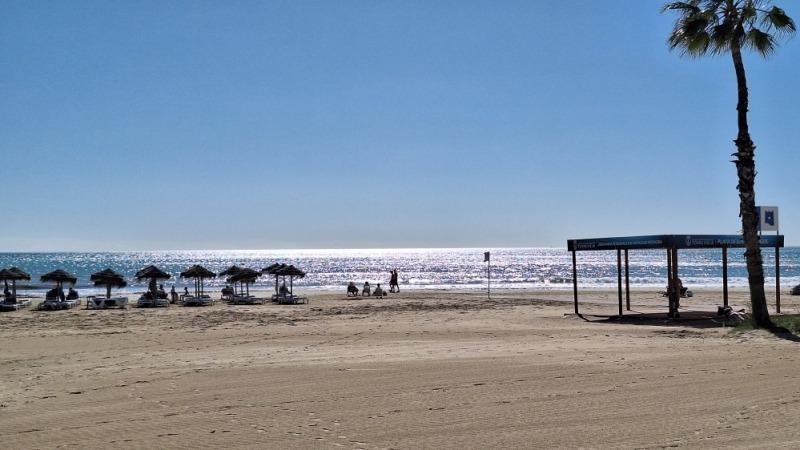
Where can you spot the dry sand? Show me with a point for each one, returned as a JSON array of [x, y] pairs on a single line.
[[416, 370]]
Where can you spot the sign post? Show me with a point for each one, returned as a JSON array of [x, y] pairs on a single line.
[[768, 221], [487, 260]]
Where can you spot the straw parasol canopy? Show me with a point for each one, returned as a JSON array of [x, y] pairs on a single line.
[[199, 273], [273, 270], [232, 270], [109, 279], [13, 274], [59, 277], [291, 272], [245, 277], [152, 273]]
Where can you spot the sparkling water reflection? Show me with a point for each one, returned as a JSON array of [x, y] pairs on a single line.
[[544, 268]]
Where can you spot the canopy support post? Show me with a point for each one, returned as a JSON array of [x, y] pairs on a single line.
[[627, 283], [669, 266], [575, 280], [619, 279], [778, 279], [725, 276], [677, 305]]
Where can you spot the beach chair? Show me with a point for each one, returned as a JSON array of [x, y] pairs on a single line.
[[12, 304], [203, 300], [243, 299], [289, 299], [149, 301], [51, 304], [100, 302]]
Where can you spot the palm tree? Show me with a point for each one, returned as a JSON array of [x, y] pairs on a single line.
[[730, 26]]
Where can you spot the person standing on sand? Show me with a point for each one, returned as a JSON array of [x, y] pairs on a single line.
[[674, 295], [394, 286]]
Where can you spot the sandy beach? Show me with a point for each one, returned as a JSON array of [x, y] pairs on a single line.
[[437, 369]]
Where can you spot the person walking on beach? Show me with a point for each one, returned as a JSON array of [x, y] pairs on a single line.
[[394, 286]]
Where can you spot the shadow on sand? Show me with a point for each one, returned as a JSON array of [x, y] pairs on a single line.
[[688, 319]]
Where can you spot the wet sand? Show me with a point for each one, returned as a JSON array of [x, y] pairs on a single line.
[[415, 370]]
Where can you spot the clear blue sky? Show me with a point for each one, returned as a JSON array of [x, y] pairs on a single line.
[[298, 124]]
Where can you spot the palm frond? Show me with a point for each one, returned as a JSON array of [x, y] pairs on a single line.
[[722, 36], [761, 42], [718, 26], [690, 7], [777, 19]]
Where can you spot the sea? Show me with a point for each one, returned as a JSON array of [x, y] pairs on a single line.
[[430, 268]]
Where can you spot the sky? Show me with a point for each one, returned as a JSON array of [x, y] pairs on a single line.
[[145, 125]]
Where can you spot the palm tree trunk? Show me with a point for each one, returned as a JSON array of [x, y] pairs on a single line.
[[744, 158]]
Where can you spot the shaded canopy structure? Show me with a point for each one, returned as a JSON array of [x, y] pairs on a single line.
[[59, 277], [13, 275], [153, 274], [199, 274], [292, 272], [232, 270], [273, 269], [671, 243], [109, 279], [245, 277]]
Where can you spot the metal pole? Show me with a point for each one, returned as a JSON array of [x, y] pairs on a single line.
[[575, 280], [489, 278], [619, 279], [627, 283], [725, 276], [675, 278], [669, 266], [778, 279]]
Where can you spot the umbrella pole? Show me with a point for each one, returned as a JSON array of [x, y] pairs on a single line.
[[291, 290]]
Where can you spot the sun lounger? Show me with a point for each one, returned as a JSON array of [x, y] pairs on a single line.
[[203, 300], [289, 299], [149, 302], [247, 300], [13, 304], [93, 302], [50, 304]]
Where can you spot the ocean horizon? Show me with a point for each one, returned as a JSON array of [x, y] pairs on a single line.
[[418, 268]]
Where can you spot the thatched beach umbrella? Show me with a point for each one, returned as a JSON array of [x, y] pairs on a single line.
[[199, 273], [59, 277], [230, 271], [291, 272], [245, 277], [273, 270], [109, 279], [13, 274], [152, 273]]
